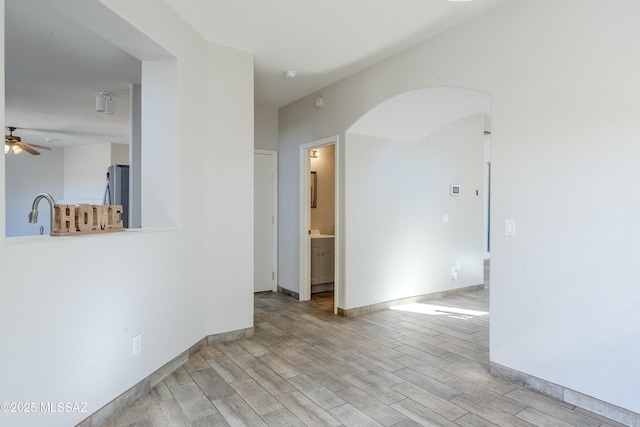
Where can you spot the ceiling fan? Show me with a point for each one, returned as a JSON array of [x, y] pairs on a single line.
[[15, 144]]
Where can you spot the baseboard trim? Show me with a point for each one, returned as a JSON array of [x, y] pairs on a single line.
[[358, 311], [286, 291], [128, 397], [229, 336], [572, 397]]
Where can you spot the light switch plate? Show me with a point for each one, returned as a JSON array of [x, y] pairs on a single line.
[[510, 227], [445, 217], [137, 344]]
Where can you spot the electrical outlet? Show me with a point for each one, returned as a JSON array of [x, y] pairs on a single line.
[[137, 344], [454, 274]]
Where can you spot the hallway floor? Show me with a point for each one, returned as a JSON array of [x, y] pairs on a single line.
[[424, 365], [325, 299]]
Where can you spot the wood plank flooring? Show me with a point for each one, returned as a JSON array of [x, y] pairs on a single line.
[[307, 367]]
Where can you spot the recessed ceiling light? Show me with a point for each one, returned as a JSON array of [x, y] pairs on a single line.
[[290, 74]]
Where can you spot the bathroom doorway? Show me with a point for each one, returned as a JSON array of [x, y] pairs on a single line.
[[319, 258]]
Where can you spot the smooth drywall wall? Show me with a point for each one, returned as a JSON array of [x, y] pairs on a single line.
[[266, 127], [161, 175], [564, 86], [85, 168], [119, 154], [398, 244], [229, 188], [25, 177], [71, 306]]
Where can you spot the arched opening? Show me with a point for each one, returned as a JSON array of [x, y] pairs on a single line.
[[407, 232]]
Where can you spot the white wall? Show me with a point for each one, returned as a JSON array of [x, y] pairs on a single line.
[[27, 176], [85, 167], [160, 173], [135, 155], [80, 301], [266, 127], [563, 79], [228, 189], [397, 244], [323, 215], [119, 154]]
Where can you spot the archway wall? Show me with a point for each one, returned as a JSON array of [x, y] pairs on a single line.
[[414, 115], [564, 166], [401, 158]]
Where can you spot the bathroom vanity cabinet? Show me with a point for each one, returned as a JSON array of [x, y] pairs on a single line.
[[322, 259]]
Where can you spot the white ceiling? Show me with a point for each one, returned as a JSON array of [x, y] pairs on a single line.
[[56, 67], [324, 41]]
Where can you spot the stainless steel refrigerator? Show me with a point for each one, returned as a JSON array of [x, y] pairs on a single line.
[[117, 190]]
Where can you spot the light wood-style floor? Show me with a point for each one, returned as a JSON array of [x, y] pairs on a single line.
[[306, 367]]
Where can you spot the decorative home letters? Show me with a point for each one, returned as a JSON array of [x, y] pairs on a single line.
[[86, 219]]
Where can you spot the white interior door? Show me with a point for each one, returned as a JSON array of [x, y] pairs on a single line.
[[264, 221]]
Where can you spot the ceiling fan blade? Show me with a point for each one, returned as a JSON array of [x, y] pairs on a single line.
[[27, 149], [38, 146]]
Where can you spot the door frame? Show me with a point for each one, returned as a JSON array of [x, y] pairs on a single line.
[[305, 220], [274, 221]]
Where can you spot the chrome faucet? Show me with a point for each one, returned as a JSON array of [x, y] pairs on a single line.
[[33, 215]]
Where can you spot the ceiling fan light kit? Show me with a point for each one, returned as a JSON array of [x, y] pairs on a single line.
[[10, 148], [14, 144]]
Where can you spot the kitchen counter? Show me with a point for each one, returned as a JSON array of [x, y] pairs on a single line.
[[322, 236]]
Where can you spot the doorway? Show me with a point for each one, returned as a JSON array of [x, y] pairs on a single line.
[[320, 227]]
